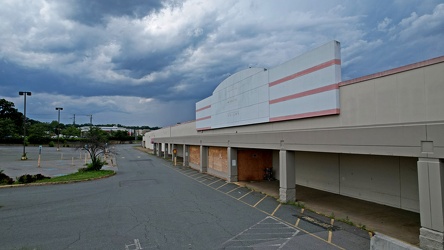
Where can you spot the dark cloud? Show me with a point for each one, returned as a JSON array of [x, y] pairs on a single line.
[[93, 12], [136, 60]]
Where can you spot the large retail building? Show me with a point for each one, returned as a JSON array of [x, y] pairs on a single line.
[[378, 138]]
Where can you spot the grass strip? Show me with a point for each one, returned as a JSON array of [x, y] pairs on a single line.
[[79, 176]]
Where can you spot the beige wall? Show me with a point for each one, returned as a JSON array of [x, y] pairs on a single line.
[[318, 170], [388, 180]]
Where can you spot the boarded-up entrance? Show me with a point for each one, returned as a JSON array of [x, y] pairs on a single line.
[[217, 159], [252, 162], [194, 156]]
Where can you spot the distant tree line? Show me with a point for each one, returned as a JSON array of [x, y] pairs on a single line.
[[11, 128]]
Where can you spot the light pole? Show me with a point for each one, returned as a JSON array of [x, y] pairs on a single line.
[[58, 128], [24, 94]]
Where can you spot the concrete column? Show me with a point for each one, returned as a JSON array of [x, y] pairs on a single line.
[[232, 164], [431, 203], [185, 155], [173, 146], [165, 152], [287, 178], [158, 148], [203, 159]]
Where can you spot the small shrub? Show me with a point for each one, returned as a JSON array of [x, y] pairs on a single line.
[[51, 144], [27, 178], [38, 177], [4, 179], [82, 170]]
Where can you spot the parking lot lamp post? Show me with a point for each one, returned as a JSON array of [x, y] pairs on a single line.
[[24, 94], [58, 128]]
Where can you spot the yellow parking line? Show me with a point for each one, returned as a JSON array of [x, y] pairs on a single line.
[[245, 195], [192, 175], [297, 222], [213, 182], [233, 190], [222, 185], [272, 214], [203, 176], [299, 219], [260, 201]]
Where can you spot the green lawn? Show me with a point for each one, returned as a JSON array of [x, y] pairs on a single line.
[[79, 176]]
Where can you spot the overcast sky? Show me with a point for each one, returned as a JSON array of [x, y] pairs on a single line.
[[140, 62]]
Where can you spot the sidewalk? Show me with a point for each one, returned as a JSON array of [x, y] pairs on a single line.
[[397, 223]]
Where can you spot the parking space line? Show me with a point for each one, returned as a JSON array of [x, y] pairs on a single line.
[[330, 234], [299, 219], [276, 209], [207, 179], [260, 201], [203, 176], [222, 185], [232, 190], [192, 175], [213, 182], [245, 195]]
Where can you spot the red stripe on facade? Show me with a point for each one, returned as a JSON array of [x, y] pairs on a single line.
[[394, 71], [206, 107], [305, 115], [306, 71], [305, 93], [203, 118]]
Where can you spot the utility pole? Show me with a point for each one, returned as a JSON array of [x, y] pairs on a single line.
[[74, 120], [58, 127], [24, 94]]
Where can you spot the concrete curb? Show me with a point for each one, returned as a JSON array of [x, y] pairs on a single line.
[[56, 183], [383, 242]]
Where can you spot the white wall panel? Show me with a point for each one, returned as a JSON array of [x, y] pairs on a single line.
[[370, 177], [409, 184], [247, 97], [318, 170], [317, 79], [312, 103]]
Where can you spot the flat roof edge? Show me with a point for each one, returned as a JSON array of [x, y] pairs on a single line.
[[394, 71]]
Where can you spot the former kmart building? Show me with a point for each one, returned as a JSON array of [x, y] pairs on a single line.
[[378, 138]]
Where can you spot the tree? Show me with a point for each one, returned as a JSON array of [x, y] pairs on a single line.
[[96, 144], [120, 135], [7, 128], [70, 131], [8, 111], [38, 133]]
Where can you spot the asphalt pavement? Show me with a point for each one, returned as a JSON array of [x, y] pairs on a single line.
[[52, 162], [151, 204]]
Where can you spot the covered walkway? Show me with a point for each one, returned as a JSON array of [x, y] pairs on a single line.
[[398, 223]]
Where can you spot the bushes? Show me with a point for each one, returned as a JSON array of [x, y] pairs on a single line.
[[27, 178], [4, 179]]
